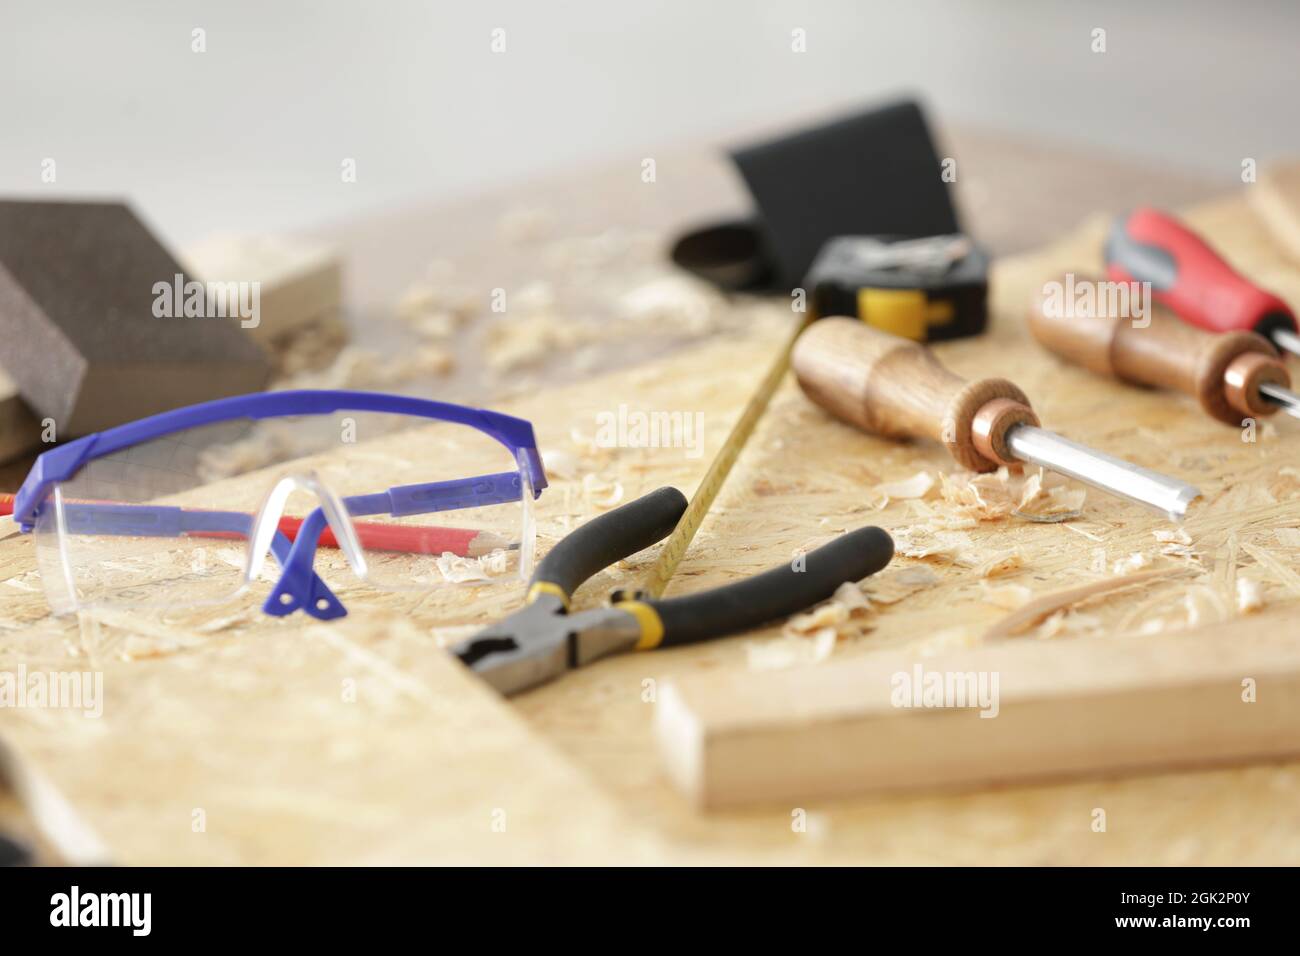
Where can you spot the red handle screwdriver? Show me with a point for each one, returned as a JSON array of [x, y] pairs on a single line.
[[1193, 280]]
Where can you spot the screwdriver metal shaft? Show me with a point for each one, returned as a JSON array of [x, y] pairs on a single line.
[[895, 388], [1114, 475], [1285, 339], [1284, 398]]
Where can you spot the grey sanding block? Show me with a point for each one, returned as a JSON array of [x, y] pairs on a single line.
[[80, 332], [20, 431]]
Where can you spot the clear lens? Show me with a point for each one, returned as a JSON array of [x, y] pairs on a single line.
[[458, 495], [132, 529], [169, 522]]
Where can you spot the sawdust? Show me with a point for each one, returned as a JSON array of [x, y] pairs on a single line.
[[529, 339], [1035, 496], [438, 294]]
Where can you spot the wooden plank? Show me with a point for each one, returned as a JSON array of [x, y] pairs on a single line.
[[1028, 711], [359, 743], [299, 282], [1276, 199]]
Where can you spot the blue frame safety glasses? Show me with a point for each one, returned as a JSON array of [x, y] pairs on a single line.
[[182, 509]]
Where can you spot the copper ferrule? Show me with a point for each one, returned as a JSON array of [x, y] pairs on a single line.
[[1244, 375], [992, 422]]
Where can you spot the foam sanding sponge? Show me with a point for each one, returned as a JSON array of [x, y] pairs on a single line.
[[876, 172], [81, 331]]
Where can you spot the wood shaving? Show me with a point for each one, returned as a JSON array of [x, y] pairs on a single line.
[[1007, 596], [788, 651], [437, 293], [830, 615], [919, 485], [1031, 491], [895, 584], [559, 464], [844, 614], [456, 569], [601, 492], [673, 303], [436, 326], [850, 595], [1134, 562], [1037, 610], [1003, 562], [530, 339], [1066, 624], [992, 497], [1250, 595], [920, 542]]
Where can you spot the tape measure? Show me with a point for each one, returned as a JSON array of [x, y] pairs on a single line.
[[921, 289], [674, 548]]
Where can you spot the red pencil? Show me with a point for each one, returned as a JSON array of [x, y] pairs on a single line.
[[432, 539]]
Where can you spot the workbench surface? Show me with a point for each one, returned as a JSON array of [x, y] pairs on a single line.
[[240, 738]]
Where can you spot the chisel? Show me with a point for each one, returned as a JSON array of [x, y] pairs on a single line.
[[1193, 280], [895, 388], [1233, 375]]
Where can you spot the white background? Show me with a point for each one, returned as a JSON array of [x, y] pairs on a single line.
[[250, 135]]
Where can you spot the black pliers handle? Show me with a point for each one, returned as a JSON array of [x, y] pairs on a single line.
[[542, 640]]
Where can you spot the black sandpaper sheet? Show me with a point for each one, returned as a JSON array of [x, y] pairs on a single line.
[[78, 333]]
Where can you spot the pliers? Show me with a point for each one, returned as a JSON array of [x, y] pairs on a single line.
[[542, 640]]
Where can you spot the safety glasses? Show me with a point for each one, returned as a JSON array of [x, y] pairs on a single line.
[[304, 490]]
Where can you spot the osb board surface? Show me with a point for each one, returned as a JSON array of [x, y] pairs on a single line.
[[241, 716]]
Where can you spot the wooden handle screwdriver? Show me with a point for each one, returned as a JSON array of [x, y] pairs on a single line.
[[1233, 375], [895, 388]]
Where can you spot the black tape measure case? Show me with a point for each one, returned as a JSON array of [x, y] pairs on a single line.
[[927, 289]]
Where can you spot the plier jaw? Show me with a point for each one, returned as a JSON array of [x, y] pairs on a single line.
[[540, 642]]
